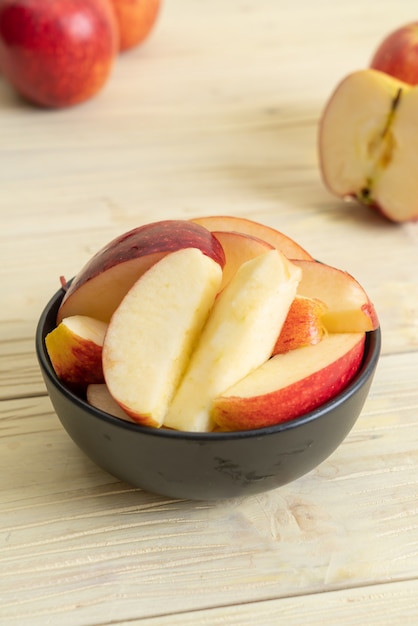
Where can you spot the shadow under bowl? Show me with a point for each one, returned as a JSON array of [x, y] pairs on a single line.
[[206, 466]]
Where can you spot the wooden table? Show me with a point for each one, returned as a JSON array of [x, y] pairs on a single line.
[[216, 113]]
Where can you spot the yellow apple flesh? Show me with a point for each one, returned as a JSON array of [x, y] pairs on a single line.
[[239, 335], [75, 350], [154, 329], [291, 384]]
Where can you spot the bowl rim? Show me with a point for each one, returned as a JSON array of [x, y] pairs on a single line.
[[368, 365]]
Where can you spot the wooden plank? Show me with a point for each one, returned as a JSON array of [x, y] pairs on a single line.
[[74, 540]]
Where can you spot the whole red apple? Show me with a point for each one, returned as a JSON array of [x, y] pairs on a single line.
[[397, 55], [57, 54], [136, 19]]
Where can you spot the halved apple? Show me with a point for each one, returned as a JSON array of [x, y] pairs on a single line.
[[154, 329], [289, 385], [239, 335], [303, 325], [238, 249], [274, 237], [75, 349], [348, 307], [98, 395], [368, 135], [101, 284]]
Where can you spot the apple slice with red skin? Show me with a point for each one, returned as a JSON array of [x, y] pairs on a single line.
[[348, 307], [303, 325], [98, 395], [238, 249], [292, 384], [154, 329], [75, 350], [100, 285], [277, 239]]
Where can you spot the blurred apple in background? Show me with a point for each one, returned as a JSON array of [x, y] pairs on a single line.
[[397, 54], [136, 19], [57, 54]]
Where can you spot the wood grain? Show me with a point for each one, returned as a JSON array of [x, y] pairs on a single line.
[[216, 114]]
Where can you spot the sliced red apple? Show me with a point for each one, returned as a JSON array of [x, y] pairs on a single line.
[[303, 325], [348, 307], [238, 336], [75, 349], [101, 284], [277, 239], [98, 395], [154, 329], [238, 249], [289, 385], [368, 135]]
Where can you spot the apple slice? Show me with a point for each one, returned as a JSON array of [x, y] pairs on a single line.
[[303, 325], [368, 135], [154, 329], [75, 349], [289, 385], [238, 336], [101, 284], [238, 249], [277, 239], [348, 307], [98, 395]]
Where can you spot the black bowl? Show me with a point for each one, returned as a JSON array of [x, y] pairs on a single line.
[[206, 466]]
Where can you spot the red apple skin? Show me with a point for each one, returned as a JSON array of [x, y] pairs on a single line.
[[292, 401], [136, 20], [117, 266], [397, 55], [57, 54]]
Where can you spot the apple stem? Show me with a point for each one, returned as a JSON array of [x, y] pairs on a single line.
[[64, 283]]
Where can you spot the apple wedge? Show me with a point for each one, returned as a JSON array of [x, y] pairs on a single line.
[[274, 237], [303, 325], [348, 307], [238, 249], [154, 329], [75, 349], [367, 139], [98, 395], [238, 336], [289, 385], [101, 284]]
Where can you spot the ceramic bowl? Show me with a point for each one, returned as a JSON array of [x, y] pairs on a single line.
[[206, 466]]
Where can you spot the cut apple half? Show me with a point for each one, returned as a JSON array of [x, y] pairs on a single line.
[[368, 135], [239, 335], [154, 329], [75, 349], [101, 284], [290, 385], [288, 246], [348, 307]]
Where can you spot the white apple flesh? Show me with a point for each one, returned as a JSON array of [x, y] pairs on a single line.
[[348, 307], [368, 135], [239, 335], [153, 331], [289, 385]]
